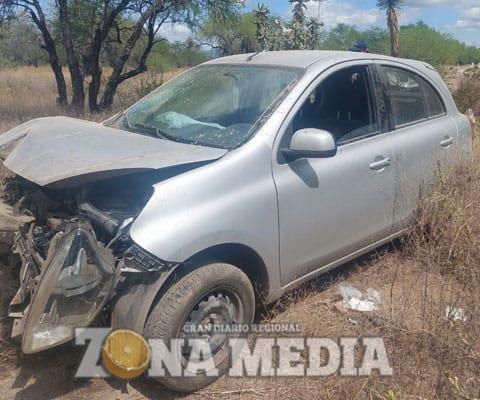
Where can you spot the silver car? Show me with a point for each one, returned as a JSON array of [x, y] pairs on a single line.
[[227, 186]]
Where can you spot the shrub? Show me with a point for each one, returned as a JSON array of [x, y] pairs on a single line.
[[467, 96], [6, 62]]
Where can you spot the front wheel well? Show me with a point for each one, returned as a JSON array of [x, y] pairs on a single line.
[[241, 256], [133, 305]]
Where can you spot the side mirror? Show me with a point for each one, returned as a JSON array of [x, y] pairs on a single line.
[[310, 143]]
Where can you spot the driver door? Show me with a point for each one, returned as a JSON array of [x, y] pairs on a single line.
[[331, 208]]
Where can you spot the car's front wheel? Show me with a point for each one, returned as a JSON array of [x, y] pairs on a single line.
[[215, 294]]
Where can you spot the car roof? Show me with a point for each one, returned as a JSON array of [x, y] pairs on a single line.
[[306, 59]]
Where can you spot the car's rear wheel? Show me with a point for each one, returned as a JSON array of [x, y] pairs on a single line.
[[219, 294]]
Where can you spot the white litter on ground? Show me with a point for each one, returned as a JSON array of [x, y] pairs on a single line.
[[354, 299], [455, 314]]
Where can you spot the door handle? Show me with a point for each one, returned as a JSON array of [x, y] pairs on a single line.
[[447, 141], [381, 164]]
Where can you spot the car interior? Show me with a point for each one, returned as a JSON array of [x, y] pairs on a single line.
[[406, 96], [342, 105]]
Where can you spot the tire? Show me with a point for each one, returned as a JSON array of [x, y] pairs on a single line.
[[180, 301]]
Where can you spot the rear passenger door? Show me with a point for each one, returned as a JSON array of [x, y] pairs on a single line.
[[424, 136]]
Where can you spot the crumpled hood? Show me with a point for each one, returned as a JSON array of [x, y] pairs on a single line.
[[50, 150]]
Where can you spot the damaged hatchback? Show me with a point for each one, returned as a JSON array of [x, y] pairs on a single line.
[[225, 187]]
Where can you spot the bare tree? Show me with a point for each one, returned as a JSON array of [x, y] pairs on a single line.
[[103, 19], [392, 8]]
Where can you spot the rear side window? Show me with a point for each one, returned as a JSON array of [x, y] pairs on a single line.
[[412, 98], [434, 101]]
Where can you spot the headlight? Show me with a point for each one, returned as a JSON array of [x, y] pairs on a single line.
[[73, 288]]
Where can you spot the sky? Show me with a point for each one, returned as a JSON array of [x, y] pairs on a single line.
[[461, 18]]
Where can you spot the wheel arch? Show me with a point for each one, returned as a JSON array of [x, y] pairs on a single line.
[[133, 305], [241, 256]]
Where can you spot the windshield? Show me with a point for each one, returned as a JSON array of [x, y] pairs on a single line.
[[212, 105]]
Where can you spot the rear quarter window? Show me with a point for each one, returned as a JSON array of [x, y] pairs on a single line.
[[412, 98], [434, 101]]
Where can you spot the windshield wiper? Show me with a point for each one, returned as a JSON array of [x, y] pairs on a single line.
[[151, 130], [156, 132]]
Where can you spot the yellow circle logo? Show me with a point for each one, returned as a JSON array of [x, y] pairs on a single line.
[[125, 354]]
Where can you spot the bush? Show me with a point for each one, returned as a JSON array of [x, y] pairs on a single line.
[[467, 96], [446, 235], [6, 62]]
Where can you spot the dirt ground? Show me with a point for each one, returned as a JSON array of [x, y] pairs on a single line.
[[50, 375]]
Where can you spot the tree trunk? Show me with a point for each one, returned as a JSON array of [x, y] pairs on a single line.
[[108, 95], [62, 100], [118, 76], [93, 58], [50, 48], [394, 33], [76, 73], [93, 66]]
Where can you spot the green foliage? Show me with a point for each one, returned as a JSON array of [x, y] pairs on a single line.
[[296, 34], [341, 37], [6, 62], [300, 34], [229, 33], [314, 30], [161, 58], [230, 36], [422, 42], [391, 395], [377, 39], [419, 41], [19, 44], [389, 4], [188, 54], [166, 56], [263, 24]]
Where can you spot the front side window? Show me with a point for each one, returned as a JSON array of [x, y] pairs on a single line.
[[412, 98], [212, 105], [343, 104]]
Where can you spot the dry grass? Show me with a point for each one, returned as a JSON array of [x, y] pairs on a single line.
[[436, 265], [26, 93], [465, 85], [29, 92]]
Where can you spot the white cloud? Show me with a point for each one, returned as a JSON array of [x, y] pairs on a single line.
[[469, 12], [174, 32], [440, 3], [469, 19], [333, 12]]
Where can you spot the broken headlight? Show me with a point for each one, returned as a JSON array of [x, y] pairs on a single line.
[[74, 287]]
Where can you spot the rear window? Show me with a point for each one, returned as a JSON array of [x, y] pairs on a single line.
[[412, 98]]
